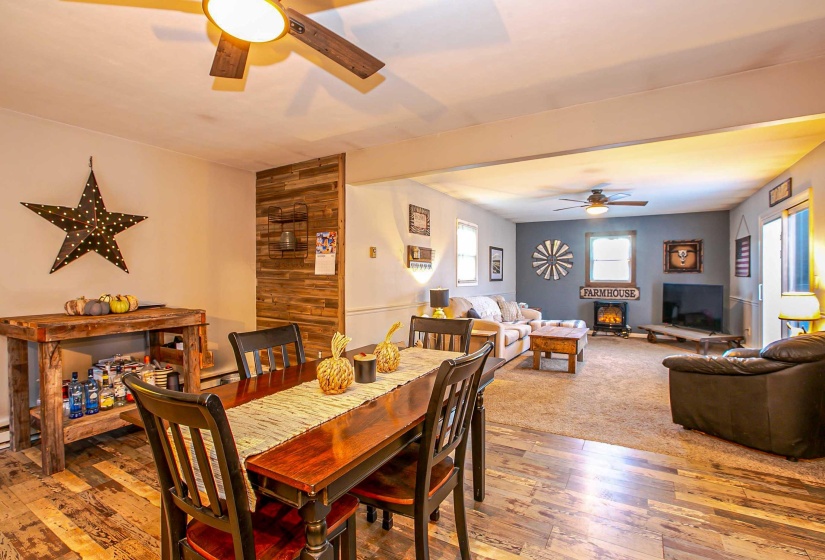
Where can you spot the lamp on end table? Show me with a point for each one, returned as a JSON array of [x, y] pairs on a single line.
[[439, 299], [798, 306]]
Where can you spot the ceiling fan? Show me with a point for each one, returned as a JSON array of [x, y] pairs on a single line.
[[598, 202], [243, 22]]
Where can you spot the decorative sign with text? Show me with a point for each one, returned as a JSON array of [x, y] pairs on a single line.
[[590, 292]]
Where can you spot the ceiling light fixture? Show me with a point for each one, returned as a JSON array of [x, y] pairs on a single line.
[[256, 21], [596, 209]]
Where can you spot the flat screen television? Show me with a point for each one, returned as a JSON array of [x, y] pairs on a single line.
[[695, 306]]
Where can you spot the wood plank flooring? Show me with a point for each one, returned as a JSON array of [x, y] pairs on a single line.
[[548, 497]]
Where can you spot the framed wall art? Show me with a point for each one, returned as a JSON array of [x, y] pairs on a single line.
[[743, 257], [779, 193], [496, 264], [419, 220], [683, 256]]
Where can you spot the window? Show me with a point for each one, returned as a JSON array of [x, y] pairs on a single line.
[[610, 258], [466, 254]]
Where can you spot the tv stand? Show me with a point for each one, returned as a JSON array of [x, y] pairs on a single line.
[[702, 339]]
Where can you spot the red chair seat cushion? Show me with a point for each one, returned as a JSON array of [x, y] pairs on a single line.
[[279, 531], [394, 482]]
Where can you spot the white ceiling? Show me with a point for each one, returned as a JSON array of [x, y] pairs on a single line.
[[138, 69], [696, 174]]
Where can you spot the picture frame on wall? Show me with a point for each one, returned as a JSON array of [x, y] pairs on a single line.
[[419, 220], [780, 192], [742, 266], [496, 264], [683, 256]]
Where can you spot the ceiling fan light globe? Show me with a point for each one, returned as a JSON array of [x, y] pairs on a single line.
[[255, 21], [596, 209]]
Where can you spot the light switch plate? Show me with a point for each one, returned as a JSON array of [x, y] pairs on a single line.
[[373, 252]]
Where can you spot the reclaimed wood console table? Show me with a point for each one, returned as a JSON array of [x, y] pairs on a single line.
[[48, 331]]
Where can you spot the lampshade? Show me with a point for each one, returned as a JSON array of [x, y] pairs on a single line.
[[439, 297], [596, 209], [256, 21], [799, 306]]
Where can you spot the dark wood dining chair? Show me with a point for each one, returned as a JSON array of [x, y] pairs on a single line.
[[452, 335], [255, 342], [222, 526], [423, 474]]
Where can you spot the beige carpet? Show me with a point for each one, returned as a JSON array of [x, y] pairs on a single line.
[[620, 396]]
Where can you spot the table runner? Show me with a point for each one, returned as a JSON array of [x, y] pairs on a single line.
[[289, 413]]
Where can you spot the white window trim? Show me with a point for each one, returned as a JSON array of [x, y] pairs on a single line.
[[459, 281], [589, 237]]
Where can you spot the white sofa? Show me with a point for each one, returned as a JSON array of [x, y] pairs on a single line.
[[512, 338]]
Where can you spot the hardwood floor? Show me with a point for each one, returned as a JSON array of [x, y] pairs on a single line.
[[548, 497]]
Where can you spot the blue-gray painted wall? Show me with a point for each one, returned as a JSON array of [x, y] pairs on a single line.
[[559, 299]]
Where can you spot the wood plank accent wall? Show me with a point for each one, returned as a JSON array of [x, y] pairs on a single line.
[[288, 291]]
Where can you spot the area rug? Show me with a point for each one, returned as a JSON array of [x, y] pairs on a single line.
[[619, 396]]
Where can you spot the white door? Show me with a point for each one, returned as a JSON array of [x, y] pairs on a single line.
[[771, 280], [786, 265]]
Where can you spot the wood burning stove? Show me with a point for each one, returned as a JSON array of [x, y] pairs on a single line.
[[610, 316]]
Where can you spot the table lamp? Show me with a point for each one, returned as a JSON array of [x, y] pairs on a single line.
[[798, 306], [439, 299]]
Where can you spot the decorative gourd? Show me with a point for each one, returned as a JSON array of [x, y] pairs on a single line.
[[387, 354], [133, 302], [335, 374], [93, 307], [105, 297], [75, 306], [119, 304]]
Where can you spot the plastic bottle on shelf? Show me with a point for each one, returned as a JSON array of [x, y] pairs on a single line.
[[147, 372], [92, 394], [120, 388], [75, 397], [107, 392]]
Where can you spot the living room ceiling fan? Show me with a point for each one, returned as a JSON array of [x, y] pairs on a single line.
[[243, 22], [598, 202]]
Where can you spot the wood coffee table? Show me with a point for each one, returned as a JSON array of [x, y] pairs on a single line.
[[562, 340]]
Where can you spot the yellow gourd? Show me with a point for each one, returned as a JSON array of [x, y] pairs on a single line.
[[386, 354], [335, 374]]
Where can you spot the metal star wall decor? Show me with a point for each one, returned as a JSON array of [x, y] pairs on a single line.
[[89, 226]]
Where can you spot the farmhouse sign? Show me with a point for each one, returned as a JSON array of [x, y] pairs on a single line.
[[588, 292]]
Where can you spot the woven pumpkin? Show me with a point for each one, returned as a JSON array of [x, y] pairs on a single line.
[[386, 354], [335, 374]]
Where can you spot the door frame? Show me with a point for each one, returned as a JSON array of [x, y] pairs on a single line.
[[781, 211]]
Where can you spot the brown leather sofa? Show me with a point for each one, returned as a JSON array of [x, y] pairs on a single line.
[[771, 399]]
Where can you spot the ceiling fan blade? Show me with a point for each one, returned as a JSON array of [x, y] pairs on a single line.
[[230, 58], [618, 196], [330, 44], [572, 200], [569, 207], [629, 203]]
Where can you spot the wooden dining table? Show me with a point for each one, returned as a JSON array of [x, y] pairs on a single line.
[[313, 469]]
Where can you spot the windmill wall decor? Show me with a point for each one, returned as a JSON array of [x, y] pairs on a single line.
[[88, 226], [552, 259]]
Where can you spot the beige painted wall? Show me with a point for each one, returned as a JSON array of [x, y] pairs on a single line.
[[383, 290], [807, 173], [197, 249]]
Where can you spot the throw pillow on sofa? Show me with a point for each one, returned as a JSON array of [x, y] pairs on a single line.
[[510, 311], [473, 314]]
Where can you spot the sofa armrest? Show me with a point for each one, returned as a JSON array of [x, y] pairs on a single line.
[[743, 353], [531, 314], [720, 365]]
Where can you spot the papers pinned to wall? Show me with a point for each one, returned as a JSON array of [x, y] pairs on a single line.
[[326, 247]]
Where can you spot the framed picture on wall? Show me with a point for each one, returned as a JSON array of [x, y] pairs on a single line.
[[496, 264], [419, 220], [683, 256], [779, 193], [743, 257]]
